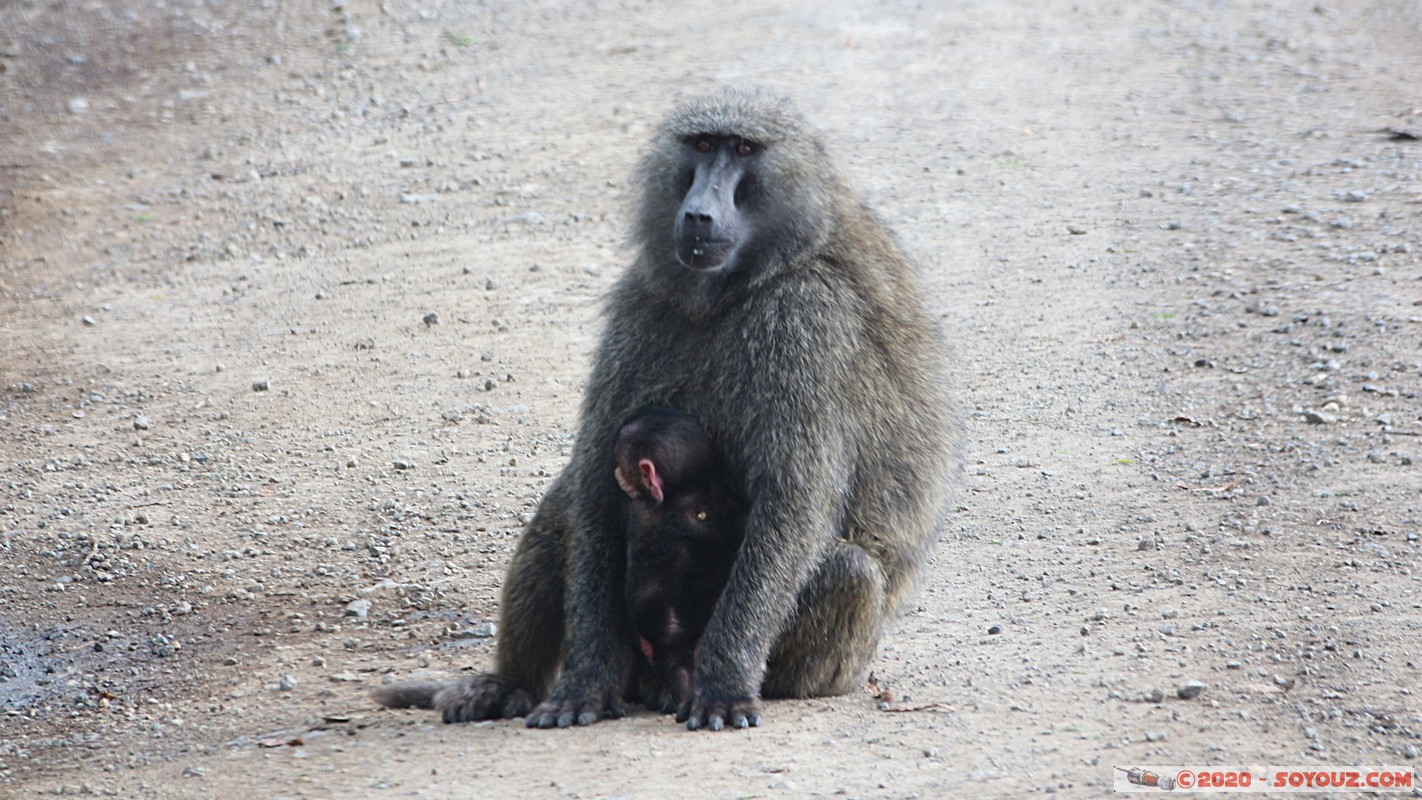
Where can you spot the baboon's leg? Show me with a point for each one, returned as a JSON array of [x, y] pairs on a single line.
[[530, 638], [827, 646]]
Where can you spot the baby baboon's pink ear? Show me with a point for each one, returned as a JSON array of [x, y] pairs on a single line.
[[652, 480]]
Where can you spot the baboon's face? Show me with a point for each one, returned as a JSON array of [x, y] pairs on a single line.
[[714, 220]]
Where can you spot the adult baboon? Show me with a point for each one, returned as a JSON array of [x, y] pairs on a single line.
[[685, 519], [767, 301]]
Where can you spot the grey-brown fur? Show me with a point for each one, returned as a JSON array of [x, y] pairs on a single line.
[[814, 366]]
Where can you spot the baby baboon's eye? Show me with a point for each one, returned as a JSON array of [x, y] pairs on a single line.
[[701, 515]]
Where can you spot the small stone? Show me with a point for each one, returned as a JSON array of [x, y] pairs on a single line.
[[402, 465], [1155, 736], [78, 106], [360, 609], [1189, 690], [1155, 696], [261, 386], [484, 630], [140, 423], [1318, 418], [287, 682], [490, 284], [230, 661], [1075, 230], [88, 321], [993, 630], [431, 318]]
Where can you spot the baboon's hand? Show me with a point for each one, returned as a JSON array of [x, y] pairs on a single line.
[[716, 710], [676, 695], [571, 703]]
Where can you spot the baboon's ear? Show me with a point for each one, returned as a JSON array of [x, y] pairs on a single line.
[[651, 479], [627, 486]]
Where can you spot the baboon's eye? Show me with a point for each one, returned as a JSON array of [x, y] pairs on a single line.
[[701, 515], [704, 144], [746, 148]]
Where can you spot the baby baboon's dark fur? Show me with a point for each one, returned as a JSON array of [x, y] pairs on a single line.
[[686, 517]]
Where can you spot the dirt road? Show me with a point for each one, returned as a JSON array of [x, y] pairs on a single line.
[[296, 303]]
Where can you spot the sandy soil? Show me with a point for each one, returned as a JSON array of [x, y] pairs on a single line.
[[297, 299]]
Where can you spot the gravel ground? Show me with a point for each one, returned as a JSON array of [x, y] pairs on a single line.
[[297, 301]]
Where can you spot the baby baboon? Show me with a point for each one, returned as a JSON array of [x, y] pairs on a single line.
[[685, 521], [768, 302]]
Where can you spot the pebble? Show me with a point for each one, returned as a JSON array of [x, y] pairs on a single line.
[[140, 423], [287, 682], [1319, 418], [994, 629], [402, 465], [261, 386], [484, 630], [1155, 696], [1189, 690], [78, 106], [431, 318], [1155, 736], [360, 609], [490, 284], [88, 320]]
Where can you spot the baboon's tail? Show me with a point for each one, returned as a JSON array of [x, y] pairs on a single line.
[[418, 694]]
